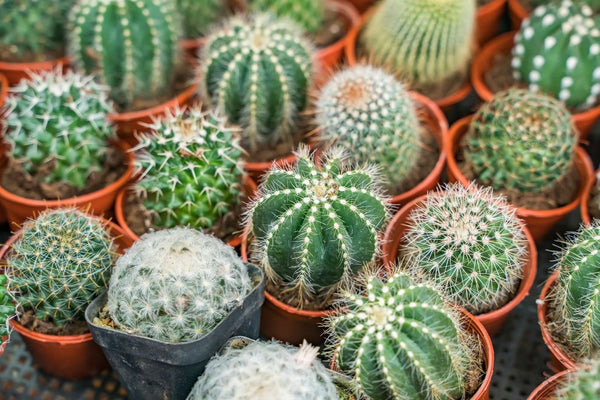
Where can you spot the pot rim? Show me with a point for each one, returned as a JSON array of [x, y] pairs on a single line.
[[540, 392], [488, 8], [33, 66]]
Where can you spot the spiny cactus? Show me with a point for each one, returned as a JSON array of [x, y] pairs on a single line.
[[315, 228], [557, 51], [402, 341], [583, 384], [176, 285], [130, 45], [199, 15], [521, 141], [257, 71], [425, 41], [265, 370], [309, 14], [58, 120], [7, 310], [191, 166], [61, 261], [367, 111]]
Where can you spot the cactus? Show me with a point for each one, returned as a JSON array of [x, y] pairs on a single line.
[[7, 310], [425, 41], [59, 263], [582, 384], [199, 15], [257, 71], [130, 45], [402, 341], [316, 228], [192, 170], [176, 285], [521, 141], [367, 111], [557, 51], [309, 14], [59, 120]]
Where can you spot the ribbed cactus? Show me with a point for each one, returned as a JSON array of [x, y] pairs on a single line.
[[309, 14], [130, 45], [58, 120], [402, 341], [316, 228], [61, 261], [425, 41], [557, 51], [191, 169], [257, 70], [7, 310], [265, 370], [582, 384], [521, 141], [199, 15], [176, 285], [367, 111]]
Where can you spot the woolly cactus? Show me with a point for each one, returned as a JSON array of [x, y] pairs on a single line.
[[58, 120], [130, 45], [61, 261], [199, 15], [7, 310], [192, 170], [425, 41], [521, 141], [176, 285], [315, 228], [402, 341], [557, 51], [309, 14], [583, 384], [365, 110], [257, 72]]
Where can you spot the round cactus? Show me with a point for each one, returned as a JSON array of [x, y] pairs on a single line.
[[425, 41], [191, 170], [176, 285], [59, 263], [257, 71], [7, 310], [309, 14], [582, 384], [199, 15], [367, 111], [557, 51], [521, 141]]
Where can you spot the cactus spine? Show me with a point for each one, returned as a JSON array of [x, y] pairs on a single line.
[[7, 310], [199, 15], [582, 384], [309, 14]]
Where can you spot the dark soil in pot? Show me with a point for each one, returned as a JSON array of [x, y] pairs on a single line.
[[31, 322], [483, 2], [7, 55], [334, 27], [594, 201], [263, 152]]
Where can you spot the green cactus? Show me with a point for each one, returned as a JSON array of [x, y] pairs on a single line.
[[191, 170], [59, 263], [521, 141], [7, 310], [257, 71], [582, 384], [557, 51], [59, 120], [367, 111], [176, 285], [402, 341], [426, 41], [199, 15], [309, 14], [130, 45]]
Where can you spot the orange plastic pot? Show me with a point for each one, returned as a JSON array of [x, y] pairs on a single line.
[[517, 13], [586, 217], [3, 93], [539, 222], [547, 389], [18, 208], [488, 20], [14, 72]]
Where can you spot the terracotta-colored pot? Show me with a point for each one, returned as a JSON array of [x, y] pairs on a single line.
[[14, 72], [493, 320], [546, 390], [3, 93], [18, 208], [361, 5], [539, 222], [67, 357], [584, 207], [489, 17], [503, 44], [517, 13]]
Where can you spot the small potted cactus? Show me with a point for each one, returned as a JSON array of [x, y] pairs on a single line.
[[173, 300], [53, 267], [582, 383], [519, 10], [61, 147]]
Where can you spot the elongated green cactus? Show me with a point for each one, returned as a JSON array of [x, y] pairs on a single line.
[[7, 310], [557, 51], [426, 41], [199, 15], [130, 45], [309, 14], [521, 141], [583, 384]]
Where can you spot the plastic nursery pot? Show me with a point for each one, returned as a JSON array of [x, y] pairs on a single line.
[[517, 13], [493, 320], [488, 20], [539, 222], [503, 44], [584, 207], [66, 357], [3, 93], [153, 370], [547, 389], [14, 72], [99, 202]]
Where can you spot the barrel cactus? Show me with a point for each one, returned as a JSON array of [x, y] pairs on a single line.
[[130, 45], [521, 141], [7, 310], [425, 41], [176, 285], [582, 384], [199, 15], [257, 70], [557, 51], [309, 14]]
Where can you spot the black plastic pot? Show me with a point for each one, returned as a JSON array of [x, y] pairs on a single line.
[[150, 369]]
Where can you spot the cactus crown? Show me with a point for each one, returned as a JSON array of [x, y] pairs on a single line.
[[199, 15], [521, 141], [59, 120], [582, 384], [7, 310], [309, 14], [176, 285], [192, 169]]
